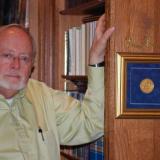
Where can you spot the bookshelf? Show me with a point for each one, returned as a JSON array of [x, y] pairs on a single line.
[[79, 81], [92, 7], [86, 12], [74, 16]]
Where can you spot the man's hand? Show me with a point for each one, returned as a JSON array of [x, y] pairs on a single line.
[[97, 51]]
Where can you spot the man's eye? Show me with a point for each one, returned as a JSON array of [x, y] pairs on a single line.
[[25, 59], [7, 55]]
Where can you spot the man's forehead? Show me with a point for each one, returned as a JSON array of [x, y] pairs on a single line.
[[17, 32], [14, 39], [12, 31], [10, 26]]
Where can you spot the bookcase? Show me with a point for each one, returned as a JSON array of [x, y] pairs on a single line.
[[72, 14], [66, 17]]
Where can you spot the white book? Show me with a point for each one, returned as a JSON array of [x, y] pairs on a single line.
[[77, 50], [83, 52], [72, 46], [80, 51], [65, 52]]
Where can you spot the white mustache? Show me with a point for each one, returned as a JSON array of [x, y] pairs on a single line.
[[13, 74]]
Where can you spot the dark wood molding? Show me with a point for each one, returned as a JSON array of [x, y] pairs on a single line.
[[85, 8], [46, 43]]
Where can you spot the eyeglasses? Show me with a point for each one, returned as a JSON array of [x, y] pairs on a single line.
[[8, 58]]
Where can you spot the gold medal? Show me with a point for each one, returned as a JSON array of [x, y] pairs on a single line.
[[147, 86]]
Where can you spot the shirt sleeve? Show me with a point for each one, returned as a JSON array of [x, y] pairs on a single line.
[[82, 122]]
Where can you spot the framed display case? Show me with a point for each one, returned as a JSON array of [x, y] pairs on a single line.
[[137, 85]]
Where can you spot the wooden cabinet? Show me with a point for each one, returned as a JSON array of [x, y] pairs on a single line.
[[137, 30]]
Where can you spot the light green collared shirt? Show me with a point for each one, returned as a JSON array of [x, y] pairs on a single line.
[[62, 119]]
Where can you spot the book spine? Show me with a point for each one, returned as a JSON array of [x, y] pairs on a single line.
[[66, 54]]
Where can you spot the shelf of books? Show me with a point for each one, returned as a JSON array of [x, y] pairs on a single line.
[[79, 82], [90, 151], [77, 43]]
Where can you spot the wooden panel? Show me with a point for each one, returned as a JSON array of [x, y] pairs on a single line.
[[135, 25], [41, 24], [33, 27], [137, 30], [46, 41]]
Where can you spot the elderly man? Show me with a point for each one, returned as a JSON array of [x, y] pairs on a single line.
[[35, 119]]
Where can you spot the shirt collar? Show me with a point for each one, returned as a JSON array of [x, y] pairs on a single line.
[[20, 94]]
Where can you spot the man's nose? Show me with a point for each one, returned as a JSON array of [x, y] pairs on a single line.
[[16, 63]]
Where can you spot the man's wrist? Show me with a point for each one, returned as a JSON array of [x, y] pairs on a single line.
[[101, 64]]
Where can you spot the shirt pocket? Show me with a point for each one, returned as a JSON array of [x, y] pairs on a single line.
[[42, 142]]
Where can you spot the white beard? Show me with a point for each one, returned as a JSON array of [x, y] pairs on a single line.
[[12, 86]]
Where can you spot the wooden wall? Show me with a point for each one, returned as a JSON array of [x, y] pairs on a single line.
[[137, 30], [42, 27]]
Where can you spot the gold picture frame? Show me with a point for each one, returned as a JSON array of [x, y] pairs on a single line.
[[137, 85]]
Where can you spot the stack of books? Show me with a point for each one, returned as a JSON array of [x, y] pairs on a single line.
[[96, 150], [78, 41], [91, 151]]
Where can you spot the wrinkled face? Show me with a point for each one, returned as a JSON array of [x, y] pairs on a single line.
[[15, 58]]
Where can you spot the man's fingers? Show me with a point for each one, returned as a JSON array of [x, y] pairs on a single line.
[[101, 19], [101, 24], [108, 33], [106, 36]]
